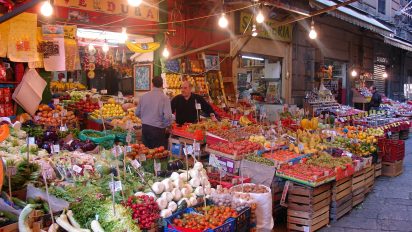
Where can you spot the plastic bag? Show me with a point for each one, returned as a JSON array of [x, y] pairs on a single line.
[[264, 218], [56, 204]]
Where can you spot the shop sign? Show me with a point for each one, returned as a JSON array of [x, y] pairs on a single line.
[[269, 30], [148, 11], [382, 60]]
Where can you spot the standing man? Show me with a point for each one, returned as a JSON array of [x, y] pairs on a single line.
[[376, 100], [184, 105], [156, 115]]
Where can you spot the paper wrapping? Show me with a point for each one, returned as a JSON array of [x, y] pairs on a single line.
[[22, 42], [4, 38], [39, 57], [54, 61]]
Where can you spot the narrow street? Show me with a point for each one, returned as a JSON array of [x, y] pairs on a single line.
[[387, 208]]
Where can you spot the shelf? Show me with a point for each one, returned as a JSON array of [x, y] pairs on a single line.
[[9, 82]]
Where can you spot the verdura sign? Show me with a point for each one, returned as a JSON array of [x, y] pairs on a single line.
[[146, 11], [269, 30]]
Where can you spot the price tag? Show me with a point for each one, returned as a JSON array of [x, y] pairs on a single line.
[[229, 164], [247, 112], [103, 91], [56, 148], [64, 112], [88, 167], [223, 105], [77, 169], [115, 186], [55, 115], [11, 171], [306, 229], [63, 128], [128, 149], [30, 140], [284, 193], [213, 161], [36, 118], [301, 147], [56, 101], [157, 166], [198, 106], [142, 157], [136, 164], [389, 133], [70, 142], [190, 149], [128, 138]]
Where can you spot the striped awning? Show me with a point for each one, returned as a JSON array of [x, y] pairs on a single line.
[[398, 43], [352, 16]]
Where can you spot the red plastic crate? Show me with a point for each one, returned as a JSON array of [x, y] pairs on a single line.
[[393, 150]]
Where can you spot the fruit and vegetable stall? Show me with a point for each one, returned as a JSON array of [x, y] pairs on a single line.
[[241, 173]]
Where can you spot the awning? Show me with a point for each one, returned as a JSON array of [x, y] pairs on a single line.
[[398, 43], [356, 18]]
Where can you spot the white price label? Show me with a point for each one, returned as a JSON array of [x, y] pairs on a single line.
[[142, 157], [198, 106], [63, 128], [247, 112], [77, 169], [56, 101], [229, 164], [301, 147], [56, 148], [64, 112], [100, 104], [157, 167], [87, 167], [55, 115], [115, 186], [36, 118], [31, 140], [128, 149], [136, 164], [389, 133]]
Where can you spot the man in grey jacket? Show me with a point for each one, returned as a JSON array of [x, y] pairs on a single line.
[[156, 114]]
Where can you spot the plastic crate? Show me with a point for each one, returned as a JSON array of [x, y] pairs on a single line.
[[393, 150], [243, 220], [228, 226]]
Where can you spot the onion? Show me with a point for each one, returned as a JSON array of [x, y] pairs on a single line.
[[158, 187], [178, 183], [172, 206], [162, 203], [177, 194], [165, 213], [184, 176], [195, 182], [199, 191], [168, 196], [198, 166], [168, 184], [175, 176], [185, 191]]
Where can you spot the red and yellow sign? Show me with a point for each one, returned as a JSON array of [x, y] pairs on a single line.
[[148, 10]]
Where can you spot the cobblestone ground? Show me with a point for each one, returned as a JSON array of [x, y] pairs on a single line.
[[387, 208]]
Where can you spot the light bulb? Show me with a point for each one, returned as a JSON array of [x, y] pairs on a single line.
[[124, 35], [385, 75], [91, 47], [354, 73], [223, 21], [254, 32], [134, 2], [260, 18], [46, 9], [313, 34], [165, 53], [105, 47]]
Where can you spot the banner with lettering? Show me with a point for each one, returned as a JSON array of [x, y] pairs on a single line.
[[148, 10], [268, 30]]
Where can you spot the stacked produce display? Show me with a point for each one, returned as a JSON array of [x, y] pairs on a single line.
[[106, 180]]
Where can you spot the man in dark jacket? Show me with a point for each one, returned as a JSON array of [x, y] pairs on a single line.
[[187, 105], [376, 100]]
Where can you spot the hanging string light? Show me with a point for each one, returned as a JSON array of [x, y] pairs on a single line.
[[354, 73], [313, 34], [259, 17], [91, 48], [134, 3], [105, 47], [223, 22], [124, 35], [46, 9], [254, 31]]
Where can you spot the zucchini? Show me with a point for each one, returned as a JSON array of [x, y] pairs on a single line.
[[10, 216]]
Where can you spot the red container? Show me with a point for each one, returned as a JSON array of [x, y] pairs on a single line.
[[343, 173], [393, 150]]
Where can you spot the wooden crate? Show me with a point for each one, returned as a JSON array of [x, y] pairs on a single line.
[[369, 178], [308, 208], [392, 169], [358, 188], [341, 188], [14, 227], [378, 169], [341, 207]]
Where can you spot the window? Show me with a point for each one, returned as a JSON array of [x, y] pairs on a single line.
[[381, 6]]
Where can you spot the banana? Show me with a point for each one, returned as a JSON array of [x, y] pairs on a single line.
[[142, 47]]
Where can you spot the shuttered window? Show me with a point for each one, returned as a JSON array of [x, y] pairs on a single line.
[[378, 71]]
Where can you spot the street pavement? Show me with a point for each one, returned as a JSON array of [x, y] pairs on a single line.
[[387, 208]]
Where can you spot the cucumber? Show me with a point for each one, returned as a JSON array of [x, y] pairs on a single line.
[[18, 202], [10, 216]]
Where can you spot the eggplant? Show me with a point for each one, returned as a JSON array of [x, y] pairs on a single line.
[[50, 136], [46, 146], [171, 166], [88, 146]]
